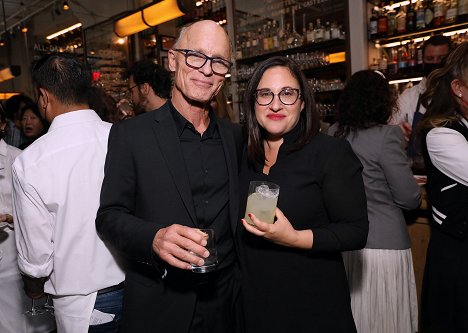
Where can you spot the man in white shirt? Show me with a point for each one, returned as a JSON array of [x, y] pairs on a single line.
[[56, 186], [410, 109]]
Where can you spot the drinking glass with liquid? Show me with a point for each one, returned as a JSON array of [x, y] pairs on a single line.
[[261, 201]]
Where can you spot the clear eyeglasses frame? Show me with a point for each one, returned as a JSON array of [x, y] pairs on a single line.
[[197, 60], [287, 96]]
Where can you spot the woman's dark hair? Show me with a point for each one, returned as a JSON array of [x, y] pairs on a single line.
[[13, 105], [146, 71], [308, 121], [34, 109], [442, 106], [367, 100], [63, 75]]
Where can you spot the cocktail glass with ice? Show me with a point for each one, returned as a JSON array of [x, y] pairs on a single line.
[[262, 200]]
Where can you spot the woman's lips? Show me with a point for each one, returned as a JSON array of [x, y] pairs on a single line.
[[275, 116]]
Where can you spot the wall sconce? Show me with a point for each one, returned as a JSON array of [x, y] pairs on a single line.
[[9, 73], [66, 6], [153, 15]]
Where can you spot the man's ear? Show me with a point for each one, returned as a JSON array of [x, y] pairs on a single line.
[[171, 56]]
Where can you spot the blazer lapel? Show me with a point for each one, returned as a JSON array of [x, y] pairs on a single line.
[[168, 141], [230, 154]]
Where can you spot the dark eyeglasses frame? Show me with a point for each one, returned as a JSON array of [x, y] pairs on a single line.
[[299, 95], [186, 52]]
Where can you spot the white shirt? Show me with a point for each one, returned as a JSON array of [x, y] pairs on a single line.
[[448, 150], [56, 188], [407, 104], [13, 300]]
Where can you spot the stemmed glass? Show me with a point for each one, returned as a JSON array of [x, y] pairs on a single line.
[[34, 311], [48, 307]]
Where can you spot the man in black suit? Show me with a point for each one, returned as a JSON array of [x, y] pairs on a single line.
[[169, 173]]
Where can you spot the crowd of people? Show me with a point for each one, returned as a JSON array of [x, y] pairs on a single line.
[[103, 202]]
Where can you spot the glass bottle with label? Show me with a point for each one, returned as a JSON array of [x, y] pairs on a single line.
[[439, 13], [382, 22], [310, 33], [391, 20], [451, 13], [420, 16], [410, 18], [373, 22], [319, 33], [462, 10], [295, 39], [429, 14], [401, 20]]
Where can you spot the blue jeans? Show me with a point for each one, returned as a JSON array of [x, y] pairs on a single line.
[[109, 303]]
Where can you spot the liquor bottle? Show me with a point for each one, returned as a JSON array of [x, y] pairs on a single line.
[[393, 65], [327, 31], [265, 39], [319, 33], [238, 48], [383, 63], [401, 20], [382, 22], [335, 31], [310, 33], [276, 43], [420, 16], [410, 19], [402, 59], [304, 29], [373, 22], [391, 21], [451, 14], [412, 57], [248, 45], [462, 10], [270, 33], [420, 58], [439, 13], [254, 44], [285, 39], [429, 14]]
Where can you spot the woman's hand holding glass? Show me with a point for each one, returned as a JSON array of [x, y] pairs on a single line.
[[281, 232]]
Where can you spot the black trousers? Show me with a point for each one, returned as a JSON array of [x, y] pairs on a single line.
[[216, 308]]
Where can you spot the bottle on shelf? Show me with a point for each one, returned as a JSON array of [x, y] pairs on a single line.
[[276, 43], [319, 33], [310, 33], [439, 13], [382, 22], [373, 24], [420, 15], [391, 21], [402, 59], [410, 18], [451, 13], [327, 31], [335, 31], [401, 20], [412, 57], [462, 10], [429, 14], [383, 63], [393, 64], [294, 39], [238, 48]]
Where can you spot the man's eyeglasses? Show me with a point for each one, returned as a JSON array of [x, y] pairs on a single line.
[[287, 96], [197, 60]]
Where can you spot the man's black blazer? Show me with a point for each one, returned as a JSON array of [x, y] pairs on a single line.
[[145, 188]]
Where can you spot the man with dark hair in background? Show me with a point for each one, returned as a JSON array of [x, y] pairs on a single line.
[[56, 185], [149, 86]]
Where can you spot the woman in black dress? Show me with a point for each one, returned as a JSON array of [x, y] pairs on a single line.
[[292, 272]]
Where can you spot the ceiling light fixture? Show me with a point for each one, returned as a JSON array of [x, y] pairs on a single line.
[[151, 16], [66, 6], [64, 31], [8, 73]]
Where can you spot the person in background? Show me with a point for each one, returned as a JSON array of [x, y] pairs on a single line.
[[149, 86], [410, 110], [13, 106], [33, 125], [104, 105], [13, 300], [56, 184], [444, 133], [293, 278], [381, 276], [169, 173], [222, 108]]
